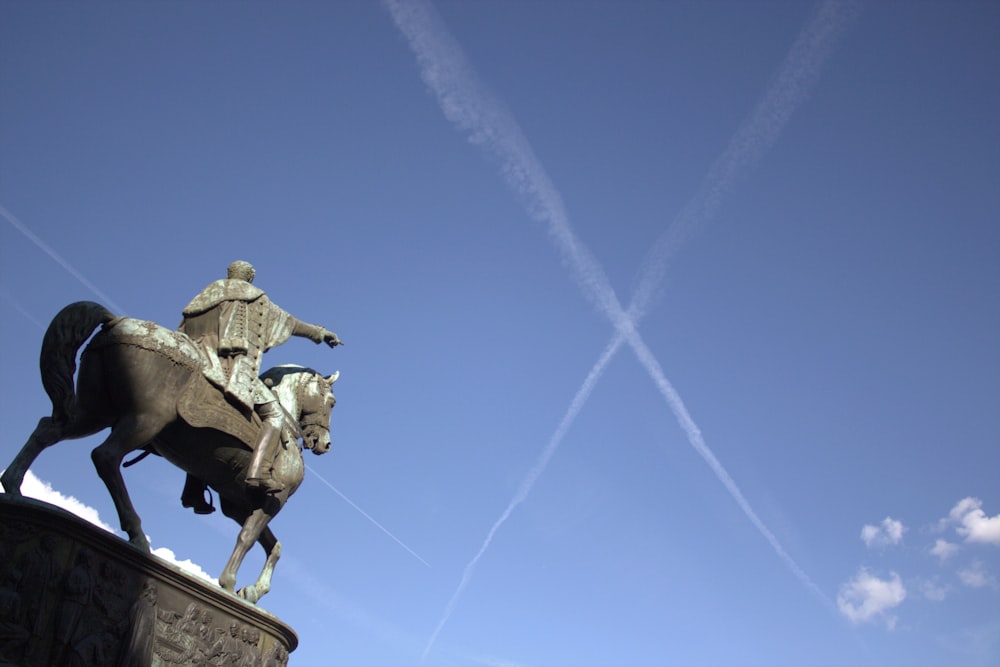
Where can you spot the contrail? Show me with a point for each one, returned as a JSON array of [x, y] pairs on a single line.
[[365, 514], [756, 135], [19, 308], [57, 258], [302, 575], [789, 88], [469, 106], [528, 483], [473, 109]]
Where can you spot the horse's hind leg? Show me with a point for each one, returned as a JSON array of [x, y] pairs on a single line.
[[129, 434], [47, 433]]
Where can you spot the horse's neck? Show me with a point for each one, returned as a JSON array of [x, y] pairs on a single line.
[[288, 395]]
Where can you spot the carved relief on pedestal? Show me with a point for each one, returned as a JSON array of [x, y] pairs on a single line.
[[72, 600]]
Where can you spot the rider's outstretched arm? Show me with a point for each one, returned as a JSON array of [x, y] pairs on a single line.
[[316, 333]]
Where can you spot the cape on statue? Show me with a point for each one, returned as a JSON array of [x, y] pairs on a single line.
[[145, 383]]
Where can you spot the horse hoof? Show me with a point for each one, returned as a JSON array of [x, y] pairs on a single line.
[[249, 593], [9, 487], [141, 544]]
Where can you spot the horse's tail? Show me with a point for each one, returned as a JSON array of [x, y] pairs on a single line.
[[69, 329]]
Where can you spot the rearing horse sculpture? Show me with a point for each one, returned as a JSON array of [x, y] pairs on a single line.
[[145, 382]]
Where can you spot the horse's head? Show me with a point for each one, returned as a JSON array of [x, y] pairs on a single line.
[[308, 397], [316, 400]]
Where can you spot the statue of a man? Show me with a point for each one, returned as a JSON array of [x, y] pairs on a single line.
[[235, 323]]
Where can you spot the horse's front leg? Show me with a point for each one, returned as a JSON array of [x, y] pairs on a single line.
[[128, 435], [249, 533], [258, 589]]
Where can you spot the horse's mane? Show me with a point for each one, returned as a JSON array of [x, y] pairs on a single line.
[[274, 376]]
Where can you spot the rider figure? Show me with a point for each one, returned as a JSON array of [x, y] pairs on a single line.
[[235, 323]]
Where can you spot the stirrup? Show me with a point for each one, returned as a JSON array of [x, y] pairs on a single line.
[[199, 505]]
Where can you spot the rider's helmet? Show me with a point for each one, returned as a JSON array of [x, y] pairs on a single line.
[[241, 270]]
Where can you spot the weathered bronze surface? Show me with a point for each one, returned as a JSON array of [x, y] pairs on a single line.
[[72, 594], [189, 400]]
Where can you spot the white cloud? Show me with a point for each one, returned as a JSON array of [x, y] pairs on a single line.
[[944, 549], [866, 597], [973, 524], [39, 489], [889, 532], [976, 576], [33, 487], [187, 565]]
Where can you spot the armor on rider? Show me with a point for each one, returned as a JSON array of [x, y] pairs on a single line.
[[234, 323]]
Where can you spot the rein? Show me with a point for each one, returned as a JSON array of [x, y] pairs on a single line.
[[290, 420]]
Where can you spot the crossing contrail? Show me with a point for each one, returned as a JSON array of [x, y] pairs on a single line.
[[471, 107]]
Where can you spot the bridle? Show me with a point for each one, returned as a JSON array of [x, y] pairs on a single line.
[[314, 419]]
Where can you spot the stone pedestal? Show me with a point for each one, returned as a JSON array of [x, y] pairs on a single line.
[[73, 594]]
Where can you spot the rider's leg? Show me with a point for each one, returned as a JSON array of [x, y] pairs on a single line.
[[266, 450], [193, 495]]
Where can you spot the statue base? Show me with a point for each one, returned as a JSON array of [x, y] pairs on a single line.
[[73, 594]]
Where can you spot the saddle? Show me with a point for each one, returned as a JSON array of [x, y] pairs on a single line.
[[203, 405]]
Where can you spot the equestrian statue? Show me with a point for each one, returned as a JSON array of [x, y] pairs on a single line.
[[195, 398]]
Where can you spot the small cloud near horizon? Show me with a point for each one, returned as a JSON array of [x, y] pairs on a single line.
[[972, 523], [866, 597]]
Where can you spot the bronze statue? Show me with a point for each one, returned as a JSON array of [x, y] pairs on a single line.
[[148, 385], [235, 323]]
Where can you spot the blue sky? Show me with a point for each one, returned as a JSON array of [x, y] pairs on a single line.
[[778, 221]]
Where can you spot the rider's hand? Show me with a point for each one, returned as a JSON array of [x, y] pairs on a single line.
[[331, 339]]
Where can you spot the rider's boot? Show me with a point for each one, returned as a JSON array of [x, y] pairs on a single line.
[[259, 473], [193, 496]]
